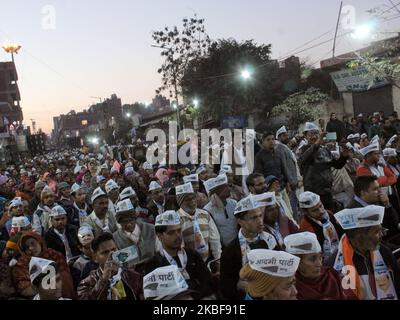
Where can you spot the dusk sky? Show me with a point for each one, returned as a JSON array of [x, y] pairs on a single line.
[[102, 47]]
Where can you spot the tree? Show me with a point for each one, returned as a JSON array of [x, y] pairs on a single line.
[[302, 106], [378, 69], [178, 48], [122, 128], [215, 78]]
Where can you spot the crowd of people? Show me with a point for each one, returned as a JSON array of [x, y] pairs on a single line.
[[318, 219]]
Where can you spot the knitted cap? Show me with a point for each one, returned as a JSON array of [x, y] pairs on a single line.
[[259, 284]]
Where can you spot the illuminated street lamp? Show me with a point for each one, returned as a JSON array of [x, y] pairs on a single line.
[[128, 115], [362, 31], [11, 48], [196, 103], [146, 104], [246, 74]]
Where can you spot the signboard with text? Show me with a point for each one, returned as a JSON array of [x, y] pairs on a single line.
[[356, 80]]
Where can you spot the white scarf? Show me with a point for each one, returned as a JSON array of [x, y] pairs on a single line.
[[331, 241], [277, 234], [182, 256], [82, 213], [63, 237], [244, 243], [385, 288], [134, 235], [102, 224]]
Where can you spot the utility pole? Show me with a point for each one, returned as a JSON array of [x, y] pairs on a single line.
[[336, 30]]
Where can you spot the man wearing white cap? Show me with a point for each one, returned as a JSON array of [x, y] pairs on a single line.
[[199, 230], [83, 264], [222, 208], [313, 281], [316, 161], [276, 220], [250, 217], [66, 201], [270, 275], [173, 253], [62, 236], [156, 204], [392, 167], [134, 233], [101, 220], [370, 166], [43, 210], [369, 267], [201, 198], [316, 219], [43, 272], [79, 195]]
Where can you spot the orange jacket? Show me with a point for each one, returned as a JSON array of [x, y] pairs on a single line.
[[388, 180]]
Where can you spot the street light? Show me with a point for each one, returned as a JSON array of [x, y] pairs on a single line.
[[195, 103], [246, 74], [11, 48], [128, 115], [146, 104], [362, 31]]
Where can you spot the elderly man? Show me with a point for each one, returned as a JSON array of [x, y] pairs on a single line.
[[199, 230], [249, 214], [201, 198], [62, 236], [316, 162], [276, 222], [368, 266], [190, 264], [134, 233], [221, 208], [319, 221], [101, 220]]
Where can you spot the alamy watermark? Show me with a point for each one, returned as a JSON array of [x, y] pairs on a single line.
[[233, 147]]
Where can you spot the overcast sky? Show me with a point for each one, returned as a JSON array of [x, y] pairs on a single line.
[[100, 47]]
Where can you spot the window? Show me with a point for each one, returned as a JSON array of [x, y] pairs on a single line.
[[84, 122]]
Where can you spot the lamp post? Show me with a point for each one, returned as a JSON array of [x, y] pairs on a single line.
[[11, 48]]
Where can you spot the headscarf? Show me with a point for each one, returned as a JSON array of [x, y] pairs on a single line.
[[259, 284], [162, 176]]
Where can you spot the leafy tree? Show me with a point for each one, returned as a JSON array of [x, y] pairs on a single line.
[[178, 48], [122, 128], [302, 106], [215, 78]]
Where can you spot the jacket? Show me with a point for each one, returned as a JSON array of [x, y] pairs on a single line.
[[387, 180], [271, 163], [200, 277], [72, 212], [53, 241], [20, 272], [306, 224], [147, 241], [315, 164], [94, 288]]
